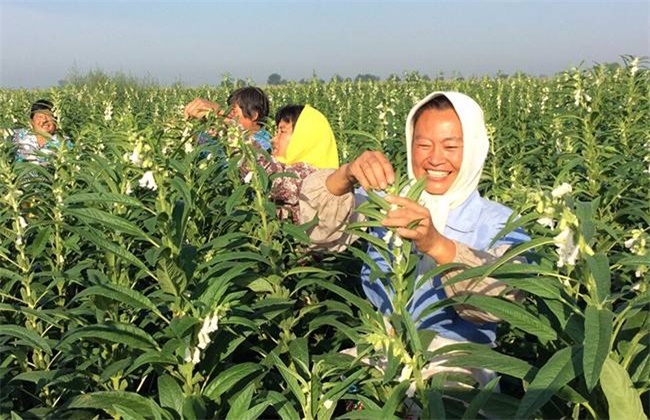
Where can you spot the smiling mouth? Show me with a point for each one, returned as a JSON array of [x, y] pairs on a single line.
[[437, 174]]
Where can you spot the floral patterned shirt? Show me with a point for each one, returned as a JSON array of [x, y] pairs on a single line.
[[285, 190], [28, 149]]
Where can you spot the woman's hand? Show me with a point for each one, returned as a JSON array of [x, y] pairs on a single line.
[[372, 170], [413, 221], [199, 108]]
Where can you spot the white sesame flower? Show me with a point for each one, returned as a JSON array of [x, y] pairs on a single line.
[[210, 324], [204, 340], [410, 392], [634, 66], [567, 249], [148, 181], [193, 356], [22, 222], [630, 243], [406, 373], [188, 147], [546, 221], [108, 112], [248, 177], [188, 355], [562, 190], [135, 156], [128, 189]]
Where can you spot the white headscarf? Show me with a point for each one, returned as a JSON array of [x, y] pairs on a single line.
[[475, 150]]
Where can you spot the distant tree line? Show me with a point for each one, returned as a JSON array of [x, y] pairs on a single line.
[[98, 77]]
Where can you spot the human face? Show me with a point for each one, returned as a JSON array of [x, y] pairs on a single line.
[[281, 139], [44, 122], [237, 114], [437, 149]]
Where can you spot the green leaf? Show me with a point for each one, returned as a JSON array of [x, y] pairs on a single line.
[[114, 369], [170, 277], [392, 365], [598, 333], [109, 221], [229, 378], [170, 393], [39, 376], [179, 222], [470, 355], [121, 294], [510, 312], [292, 379], [8, 274], [235, 198], [103, 197], [28, 337], [241, 402], [634, 260], [413, 338], [194, 408], [545, 287], [331, 322], [37, 247], [107, 400], [114, 332], [434, 407], [239, 256], [255, 412], [296, 232], [396, 396], [623, 400], [152, 358], [307, 270], [126, 413], [561, 368], [106, 245], [599, 266], [282, 406], [361, 303], [480, 400], [339, 388], [585, 214], [415, 190], [299, 351]]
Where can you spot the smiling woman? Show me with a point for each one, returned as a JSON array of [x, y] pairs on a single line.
[[41, 140], [449, 222]]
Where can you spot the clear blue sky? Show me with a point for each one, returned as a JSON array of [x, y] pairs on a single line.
[[198, 42]]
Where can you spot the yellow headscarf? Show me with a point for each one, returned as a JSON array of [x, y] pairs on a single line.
[[312, 141]]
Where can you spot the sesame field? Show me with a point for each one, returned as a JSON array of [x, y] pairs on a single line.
[[141, 277]]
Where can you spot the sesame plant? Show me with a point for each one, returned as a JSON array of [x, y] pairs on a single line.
[[141, 276]]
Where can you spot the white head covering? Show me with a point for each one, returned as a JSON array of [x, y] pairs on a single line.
[[475, 149]]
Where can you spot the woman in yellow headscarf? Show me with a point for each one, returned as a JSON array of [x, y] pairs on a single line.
[[303, 143], [304, 135]]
